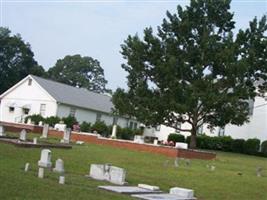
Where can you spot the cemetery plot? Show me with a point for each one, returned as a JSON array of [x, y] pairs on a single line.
[[161, 197], [129, 190]]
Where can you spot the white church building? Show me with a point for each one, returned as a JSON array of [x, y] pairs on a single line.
[[35, 95], [256, 128]]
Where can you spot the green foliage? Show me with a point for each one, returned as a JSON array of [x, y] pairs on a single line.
[[194, 66], [176, 137], [16, 60], [252, 146], [52, 121], [85, 127], [36, 118], [238, 145], [264, 148], [79, 71], [125, 134], [101, 128], [69, 121]]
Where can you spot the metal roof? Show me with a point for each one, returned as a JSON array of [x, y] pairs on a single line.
[[78, 97]]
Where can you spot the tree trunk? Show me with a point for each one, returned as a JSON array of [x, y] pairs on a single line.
[[193, 139]]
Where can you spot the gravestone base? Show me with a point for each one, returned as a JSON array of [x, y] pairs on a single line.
[[129, 190], [161, 197]]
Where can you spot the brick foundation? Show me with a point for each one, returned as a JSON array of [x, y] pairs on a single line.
[[91, 138]]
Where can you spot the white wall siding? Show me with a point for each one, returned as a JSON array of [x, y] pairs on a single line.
[[31, 95]]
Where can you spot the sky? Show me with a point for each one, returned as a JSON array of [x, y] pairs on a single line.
[[94, 28]]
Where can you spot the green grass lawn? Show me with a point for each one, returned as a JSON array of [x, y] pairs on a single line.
[[223, 183]]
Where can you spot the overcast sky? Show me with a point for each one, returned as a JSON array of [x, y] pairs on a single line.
[[96, 28]]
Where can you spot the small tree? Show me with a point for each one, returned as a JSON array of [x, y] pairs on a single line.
[[194, 70]]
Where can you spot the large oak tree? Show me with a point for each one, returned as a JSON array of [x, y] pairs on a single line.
[[194, 70], [79, 71], [16, 60]]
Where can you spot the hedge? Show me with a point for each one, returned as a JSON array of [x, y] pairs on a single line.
[[264, 148], [252, 146], [176, 137]]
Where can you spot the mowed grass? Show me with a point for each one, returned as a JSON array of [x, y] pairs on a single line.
[[223, 183]]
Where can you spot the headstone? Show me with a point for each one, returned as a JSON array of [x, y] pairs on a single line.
[[183, 192], [129, 190], [149, 187], [61, 180], [109, 173], [139, 139], [66, 137], [41, 172], [27, 166], [35, 140], [2, 131], [60, 127], [29, 121], [59, 167], [45, 131], [23, 135], [114, 131], [45, 160], [176, 162], [212, 168], [40, 123], [181, 145], [155, 142], [117, 175]]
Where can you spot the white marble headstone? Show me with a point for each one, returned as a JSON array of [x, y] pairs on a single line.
[[23, 135], [97, 171], [183, 192], [45, 160], [66, 136], [181, 145], [59, 167], [2, 131], [35, 140], [45, 131], [114, 131], [139, 139], [117, 175]]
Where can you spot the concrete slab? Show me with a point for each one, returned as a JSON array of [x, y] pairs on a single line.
[[129, 190], [161, 197]]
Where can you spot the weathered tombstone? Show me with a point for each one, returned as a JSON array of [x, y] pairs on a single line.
[[117, 175], [129, 189], [45, 160], [35, 140], [45, 131], [212, 168], [2, 131], [114, 132], [61, 180], [176, 162], [29, 121], [59, 167], [66, 137], [41, 172], [97, 171], [155, 142], [60, 126], [40, 123], [23, 135], [187, 193], [27, 166]]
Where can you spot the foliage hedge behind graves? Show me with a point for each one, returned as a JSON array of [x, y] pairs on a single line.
[[176, 137], [226, 143]]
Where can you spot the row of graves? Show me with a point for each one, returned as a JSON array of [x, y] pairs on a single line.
[[22, 140], [114, 175]]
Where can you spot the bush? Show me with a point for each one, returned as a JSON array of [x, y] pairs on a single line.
[[125, 134], [238, 145], [85, 127], [226, 143], [176, 137], [36, 118], [69, 121], [101, 128], [264, 148], [252, 146], [52, 120]]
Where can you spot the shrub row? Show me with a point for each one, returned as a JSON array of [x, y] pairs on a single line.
[[226, 143], [35, 119]]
